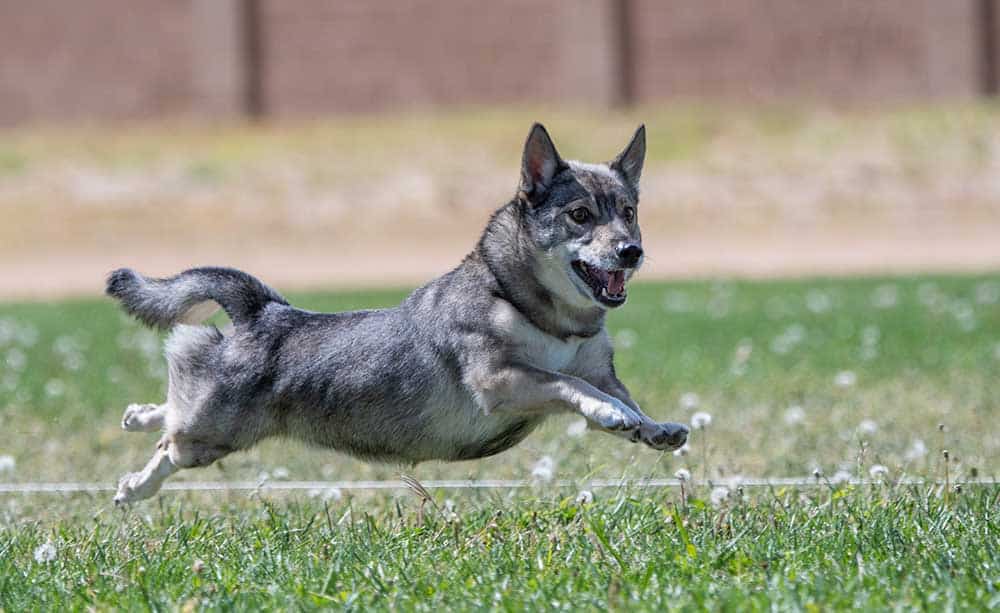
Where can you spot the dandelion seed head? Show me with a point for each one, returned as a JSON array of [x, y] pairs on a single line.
[[280, 473], [683, 450], [988, 292], [878, 471], [46, 552], [625, 339], [841, 476], [326, 493], [584, 497], [885, 296], [794, 415], [916, 451], [676, 301], [719, 495], [845, 378], [7, 463], [16, 360], [55, 388], [690, 401], [543, 469], [701, 420], [867, 426], [683, 474], [818, 301]]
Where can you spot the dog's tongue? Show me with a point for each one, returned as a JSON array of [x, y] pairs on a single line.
[[616, 282]]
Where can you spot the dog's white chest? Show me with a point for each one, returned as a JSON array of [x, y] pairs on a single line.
[[531, 344]]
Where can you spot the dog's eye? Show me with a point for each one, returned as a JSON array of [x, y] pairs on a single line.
[[629, 214], [580, 215]]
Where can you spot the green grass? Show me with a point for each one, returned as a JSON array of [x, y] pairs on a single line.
[[920, 352]]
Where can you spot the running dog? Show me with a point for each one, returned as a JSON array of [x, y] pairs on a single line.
[[466, 367]]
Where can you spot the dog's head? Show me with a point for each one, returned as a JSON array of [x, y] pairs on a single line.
[[583, 220]]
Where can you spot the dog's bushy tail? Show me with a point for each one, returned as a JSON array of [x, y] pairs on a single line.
[[162, 303]]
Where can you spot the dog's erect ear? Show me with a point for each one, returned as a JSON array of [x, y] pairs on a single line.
[[629, 162], [540, 163]]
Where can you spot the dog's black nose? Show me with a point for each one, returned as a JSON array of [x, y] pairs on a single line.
[[629, 253]]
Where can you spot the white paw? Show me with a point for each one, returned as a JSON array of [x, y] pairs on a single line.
[[131, 488], [140, 418], [615, 416]]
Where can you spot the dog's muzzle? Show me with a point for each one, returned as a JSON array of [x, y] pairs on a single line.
[[608, 286]]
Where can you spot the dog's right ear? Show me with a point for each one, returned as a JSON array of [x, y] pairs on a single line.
[[541, 162]]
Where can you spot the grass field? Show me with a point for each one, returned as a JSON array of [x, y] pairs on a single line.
[[867, 378]]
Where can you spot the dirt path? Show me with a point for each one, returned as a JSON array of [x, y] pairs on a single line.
[[55, 272]]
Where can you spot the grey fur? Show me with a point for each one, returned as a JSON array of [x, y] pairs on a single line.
[[466, 367]]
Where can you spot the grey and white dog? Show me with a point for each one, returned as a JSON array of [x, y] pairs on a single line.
[[466, 367]]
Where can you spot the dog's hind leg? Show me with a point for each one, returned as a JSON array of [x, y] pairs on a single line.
[[144, 417], [172, 454], [145, 483]]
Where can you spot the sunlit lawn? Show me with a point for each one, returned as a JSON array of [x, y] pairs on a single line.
[[861, 377]]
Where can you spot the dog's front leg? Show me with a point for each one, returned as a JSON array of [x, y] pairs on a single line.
[[524, 388], [661, 436]]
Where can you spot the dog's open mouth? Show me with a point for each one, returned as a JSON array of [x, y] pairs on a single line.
[[608, 285]]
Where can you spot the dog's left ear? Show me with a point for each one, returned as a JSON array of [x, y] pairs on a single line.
[[629, 162]]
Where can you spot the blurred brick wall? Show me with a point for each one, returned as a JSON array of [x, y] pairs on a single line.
[[94, 59], [319, 56], [844, 50], [137, 58]]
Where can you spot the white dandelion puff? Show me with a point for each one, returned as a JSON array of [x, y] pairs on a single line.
[[719, 495], [744, 349], [690, 401], [818, 301], [280, 473], [584, 497], [845, 378], [55, 388], [988, 292], [577, 429], [626, 339], [26, 335], [867, 426], [46, 552], [841, 476], [683, 474], [544, 469], [326, 493], [7, 463], [16, 360], [683, 450], [885, 296], [794, 415], [676, 302], [701, 420], [917, 450], [878, 471]]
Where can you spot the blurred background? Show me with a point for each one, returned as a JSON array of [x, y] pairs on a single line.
[[365, 143]]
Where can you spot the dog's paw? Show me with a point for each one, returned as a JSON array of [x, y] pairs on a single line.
[[663, 437], [141, 418], [617, 419], [130, 489]]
